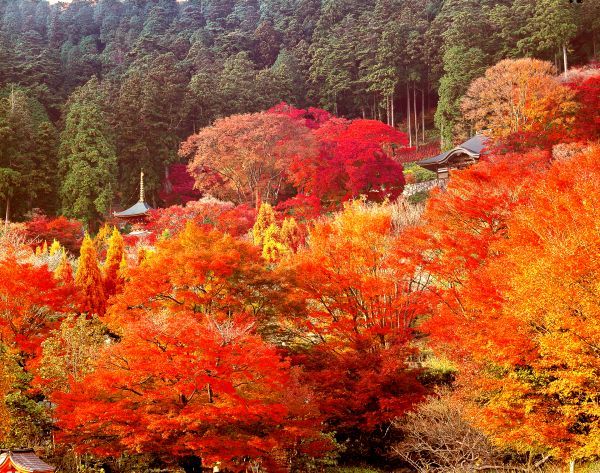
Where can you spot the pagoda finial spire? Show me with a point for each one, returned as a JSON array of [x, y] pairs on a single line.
[[142, 186]]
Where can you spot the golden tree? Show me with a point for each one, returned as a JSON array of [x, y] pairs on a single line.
[[290, 234], [88, 280], [273, 248], [264, 219], [64, 272], [521, 95], [114, 256]]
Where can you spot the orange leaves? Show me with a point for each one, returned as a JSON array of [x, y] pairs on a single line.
[[517, 96], [114, 256], [88, 280], [245, 158], [358, 317], [553, 290], [515, 298], [201, 270], [270, 156], [29, 299], [190, 374]]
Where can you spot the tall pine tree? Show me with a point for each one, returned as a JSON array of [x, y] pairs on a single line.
[[88, 158]]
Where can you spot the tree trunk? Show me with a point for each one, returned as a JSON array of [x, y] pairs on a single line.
[[572, 466], [392, 107], [566, 66], [423, 115], [191, 464], [374, 110], [209, 391], [335, 107], [408, 115], [7, 215], [416, 120], [387, 110]]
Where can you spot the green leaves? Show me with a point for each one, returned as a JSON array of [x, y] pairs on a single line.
[[87, 157]]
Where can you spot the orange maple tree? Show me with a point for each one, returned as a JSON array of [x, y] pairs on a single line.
[[515, 303], [114, 256], [519, 96], [29, 304], [243, 158], [88, 280], [191, 373], [354, 336]]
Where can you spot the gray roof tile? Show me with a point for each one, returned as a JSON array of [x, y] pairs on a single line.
[[26, 460]]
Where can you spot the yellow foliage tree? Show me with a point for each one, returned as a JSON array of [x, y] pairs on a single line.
[[516, 96], [114, 256], [6, 381], [264, 219], [273, 248], [55, 247], [290, 234], [88, 280], [102, 237]]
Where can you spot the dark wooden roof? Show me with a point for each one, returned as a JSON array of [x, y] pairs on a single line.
[[473, 147], [25, 460]]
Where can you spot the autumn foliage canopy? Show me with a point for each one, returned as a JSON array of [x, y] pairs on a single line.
[[294, 313]]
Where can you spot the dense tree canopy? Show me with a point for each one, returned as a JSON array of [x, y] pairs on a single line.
[[168, 68], [289, 305]]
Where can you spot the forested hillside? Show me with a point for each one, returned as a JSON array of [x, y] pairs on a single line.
[[294, 290], [163, 69]]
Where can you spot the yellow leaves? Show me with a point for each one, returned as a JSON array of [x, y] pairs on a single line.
[[264, 219], [273, 249], [64, 272], [290, 234], [6, 381], [548, 272], [55, 247], [88, 279], [114, 258], [41, 250], [276, 241], [102, 237]]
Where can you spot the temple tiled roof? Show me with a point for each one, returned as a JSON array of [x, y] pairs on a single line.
[[138, 210], [473, 147], [25, 461]]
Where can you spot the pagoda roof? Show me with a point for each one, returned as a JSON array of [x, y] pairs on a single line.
[[140, 209], [25, 461], [473, 147]]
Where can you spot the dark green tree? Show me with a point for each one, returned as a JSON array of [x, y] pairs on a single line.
[[147, 115], [27, 153], [461, 66], [88, 159]]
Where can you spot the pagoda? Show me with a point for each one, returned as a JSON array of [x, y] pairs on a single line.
[[22, 461], [138, 211]]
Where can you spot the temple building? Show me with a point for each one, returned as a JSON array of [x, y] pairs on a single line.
[[464, 155], [139, 210], [22, 461]]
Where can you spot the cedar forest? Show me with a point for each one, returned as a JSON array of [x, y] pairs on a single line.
[[302, 296]]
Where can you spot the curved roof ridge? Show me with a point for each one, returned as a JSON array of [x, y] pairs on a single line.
[[473, 146], [137, 210], [26, 460]]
